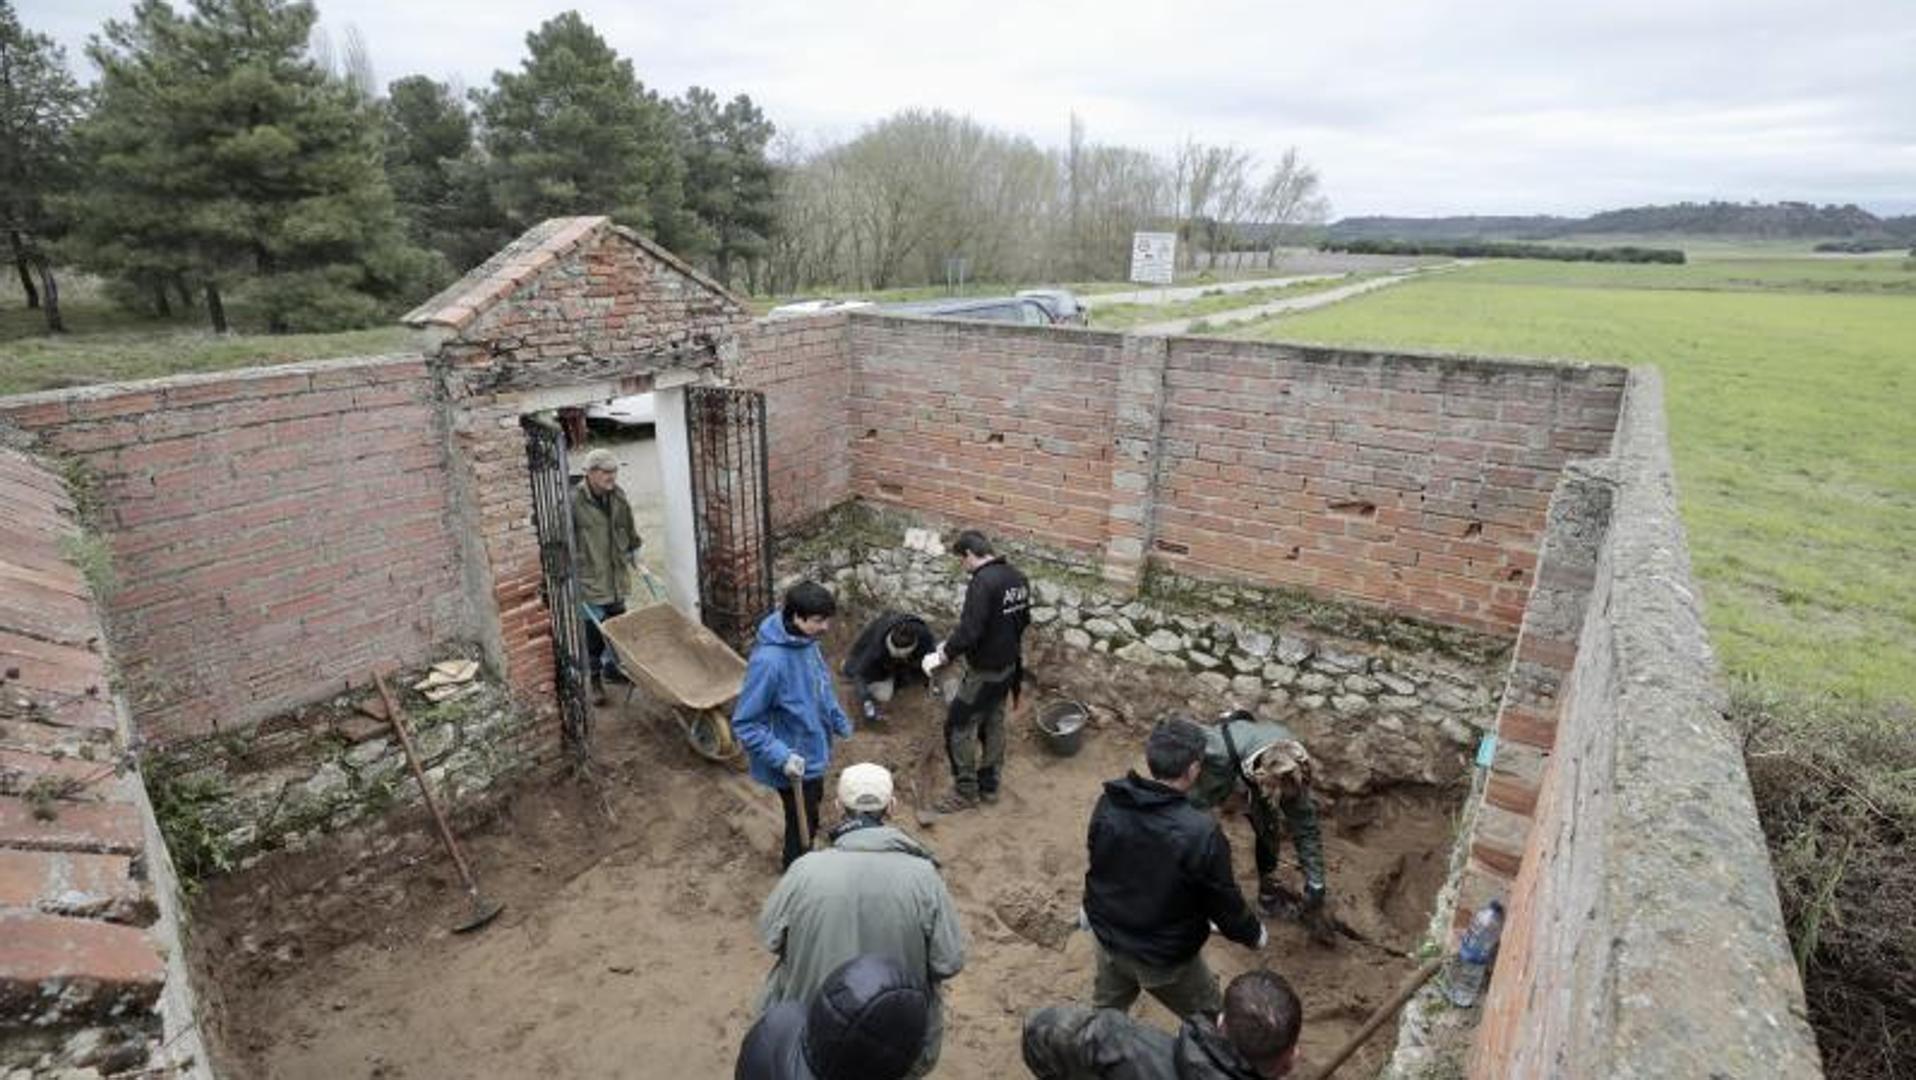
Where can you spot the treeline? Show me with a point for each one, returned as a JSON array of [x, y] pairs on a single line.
[[221, 156], [1787, 220], [1491, 249], [926, 195], [1863, 247], [224, 156]]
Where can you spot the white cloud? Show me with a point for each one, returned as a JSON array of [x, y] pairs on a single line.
[[1497, 106]]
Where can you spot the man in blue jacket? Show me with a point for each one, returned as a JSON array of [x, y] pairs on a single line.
[[788, 711]]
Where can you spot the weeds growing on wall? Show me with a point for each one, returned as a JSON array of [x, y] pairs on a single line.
[[181, 804], [1835, 785]]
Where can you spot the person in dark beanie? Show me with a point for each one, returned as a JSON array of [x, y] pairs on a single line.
[[1159, 879], [867, 1022], [1254, 1039], [990, 639], [787, 711], [889, 652]]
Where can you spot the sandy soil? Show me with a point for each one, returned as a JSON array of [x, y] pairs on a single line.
[[627, 945]]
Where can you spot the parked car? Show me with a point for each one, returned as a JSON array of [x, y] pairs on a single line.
[[1065, 308], [1008, 309], [799, 308], [626, 412]]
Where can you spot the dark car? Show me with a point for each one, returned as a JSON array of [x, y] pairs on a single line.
[[1007, 309], [1065, 308]]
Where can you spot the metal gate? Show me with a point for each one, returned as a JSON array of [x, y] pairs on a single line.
[[552, 519], [731, 509]]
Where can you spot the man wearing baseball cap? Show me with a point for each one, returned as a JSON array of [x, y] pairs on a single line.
[[874, 891], [608, 547]]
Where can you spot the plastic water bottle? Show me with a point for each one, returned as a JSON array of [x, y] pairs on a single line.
[[1468, 972]]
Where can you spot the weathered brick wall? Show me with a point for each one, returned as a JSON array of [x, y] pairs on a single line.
[[1416, 484], [276, 532], [804, 368], [86, 903], [1644, 934], [1006, 427]]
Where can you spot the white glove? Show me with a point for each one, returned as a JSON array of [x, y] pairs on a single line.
[[1083, 922], [1263, 937], [795, 766], [933, 661]]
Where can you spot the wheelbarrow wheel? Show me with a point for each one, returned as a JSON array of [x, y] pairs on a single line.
[[710, 735]]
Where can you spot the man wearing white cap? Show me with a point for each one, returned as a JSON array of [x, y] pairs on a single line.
[[607, 546], [875, 890]]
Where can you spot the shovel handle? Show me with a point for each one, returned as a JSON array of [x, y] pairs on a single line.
[[804, 819], [398, 722], [1384, 1012]]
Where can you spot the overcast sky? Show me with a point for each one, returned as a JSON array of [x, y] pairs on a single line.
[[1496, 106]]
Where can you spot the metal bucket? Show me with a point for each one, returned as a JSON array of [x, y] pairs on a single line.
[[1061, 725]]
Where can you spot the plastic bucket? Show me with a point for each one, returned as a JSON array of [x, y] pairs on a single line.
[[1061, 725]]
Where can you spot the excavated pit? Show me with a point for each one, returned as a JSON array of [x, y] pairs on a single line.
[[627, 947]]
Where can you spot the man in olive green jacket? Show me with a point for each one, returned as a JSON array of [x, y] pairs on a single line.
[[606, 544], [875, 890]]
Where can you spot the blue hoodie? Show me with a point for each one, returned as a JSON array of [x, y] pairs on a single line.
[[787, 706]]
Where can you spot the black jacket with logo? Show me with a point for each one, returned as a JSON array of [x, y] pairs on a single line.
[[871, 661], [1072, 1042], [992, 625], [1160, 875]]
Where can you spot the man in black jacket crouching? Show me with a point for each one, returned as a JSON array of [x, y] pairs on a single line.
[[1159, 880]]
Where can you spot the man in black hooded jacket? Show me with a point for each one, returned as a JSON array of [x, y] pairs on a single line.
[[888, 653], [867, 1022], [1159, 880], [1255, 1039]]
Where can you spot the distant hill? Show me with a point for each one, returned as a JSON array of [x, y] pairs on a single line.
[[1783, 220]]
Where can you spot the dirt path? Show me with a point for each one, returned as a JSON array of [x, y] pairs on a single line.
[[1181, 293], [628, 949], [1291, 305]]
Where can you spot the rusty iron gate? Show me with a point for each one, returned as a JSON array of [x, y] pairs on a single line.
[[731, 509], [552, 519]]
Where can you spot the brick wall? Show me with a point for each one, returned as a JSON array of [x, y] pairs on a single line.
[[1005, 427], [276, 532], [81, 890], [1644, 934], [804, 368], [1415, 484]]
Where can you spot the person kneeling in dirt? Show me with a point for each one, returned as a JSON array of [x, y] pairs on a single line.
[[1160, 878], [990, 637], [1264, 763], [1254, 1039], [890, 652], [788, 711], [867, 1022], [875, 890]]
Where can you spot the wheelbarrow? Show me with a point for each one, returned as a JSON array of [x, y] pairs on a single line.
[[684, 665]]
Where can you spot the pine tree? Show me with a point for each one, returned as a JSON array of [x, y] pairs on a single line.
[[435, 171], [39, 104], [728, 178], [221, 130], [575, 132]]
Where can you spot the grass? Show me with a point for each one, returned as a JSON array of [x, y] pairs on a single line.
[[1126, 316], [1791, 391], [106, 343], [1790, 420]]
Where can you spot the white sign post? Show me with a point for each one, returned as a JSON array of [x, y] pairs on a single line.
[[1153, 257]]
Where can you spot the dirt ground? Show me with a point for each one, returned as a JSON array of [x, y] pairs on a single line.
[[627, 947]]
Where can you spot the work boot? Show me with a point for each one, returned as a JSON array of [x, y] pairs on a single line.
[[954, 801], [598, 690], [989, 798]]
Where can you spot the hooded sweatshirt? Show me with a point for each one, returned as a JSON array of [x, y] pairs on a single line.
[[866, 1023], [787, 705]]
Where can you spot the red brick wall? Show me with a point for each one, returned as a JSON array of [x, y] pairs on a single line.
[[276, 532], [1009, 428], [804, 368], [1414, 484]]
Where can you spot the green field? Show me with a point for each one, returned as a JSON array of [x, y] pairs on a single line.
[[1792, 416], [1126, 316], [106, 343]]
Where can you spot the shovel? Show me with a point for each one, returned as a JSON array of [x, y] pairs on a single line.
[[1384, 1012], [483, 910]]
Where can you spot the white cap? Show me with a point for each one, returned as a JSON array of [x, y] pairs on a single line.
[[865, 787]]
